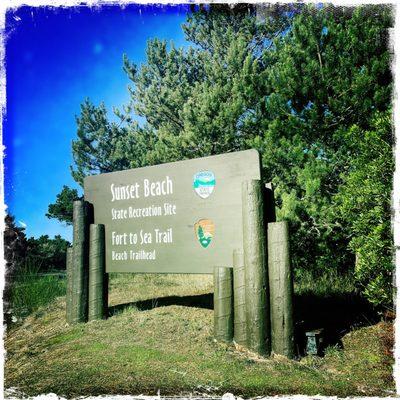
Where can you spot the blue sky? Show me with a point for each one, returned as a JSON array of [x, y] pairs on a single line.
[[55, 58]]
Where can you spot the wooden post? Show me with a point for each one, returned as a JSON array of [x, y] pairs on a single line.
[[255, 261], [69, 293], [105, 294], [82, 217], [96, 303], [239, 302], [281, 289], [223, 304]]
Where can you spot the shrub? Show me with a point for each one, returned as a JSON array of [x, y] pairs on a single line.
[[364, 204]]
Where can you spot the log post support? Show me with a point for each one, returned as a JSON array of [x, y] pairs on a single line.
[[97, 278], [82, 217], [223, 304], [69, 294], [281, 289], [256, 273], [239, 299]]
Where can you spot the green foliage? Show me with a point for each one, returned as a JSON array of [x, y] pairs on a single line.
[[49, 252], [195, 101], [364, 206], [102, 146], [26, 287], [328, 284], [292, 84], [15, 250], [29, 290], [62, 208], [322, 82]]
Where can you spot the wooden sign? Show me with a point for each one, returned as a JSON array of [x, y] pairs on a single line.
[[181, 217]]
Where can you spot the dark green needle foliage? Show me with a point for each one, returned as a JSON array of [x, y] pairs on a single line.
[[62, 208]]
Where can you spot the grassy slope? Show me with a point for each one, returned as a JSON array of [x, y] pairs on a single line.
[[171, 349]]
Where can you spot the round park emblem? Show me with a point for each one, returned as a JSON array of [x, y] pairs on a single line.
[[204, 230], [203, 183]]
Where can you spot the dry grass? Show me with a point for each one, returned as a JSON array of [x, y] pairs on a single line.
[[171, 349], [126, 288]]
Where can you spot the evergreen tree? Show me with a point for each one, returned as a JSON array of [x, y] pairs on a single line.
[[48, 253], [62, 208], [15, 251], [331, 71], [15, 244]]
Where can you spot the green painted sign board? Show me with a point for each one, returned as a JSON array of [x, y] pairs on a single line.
[[180, 217]]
